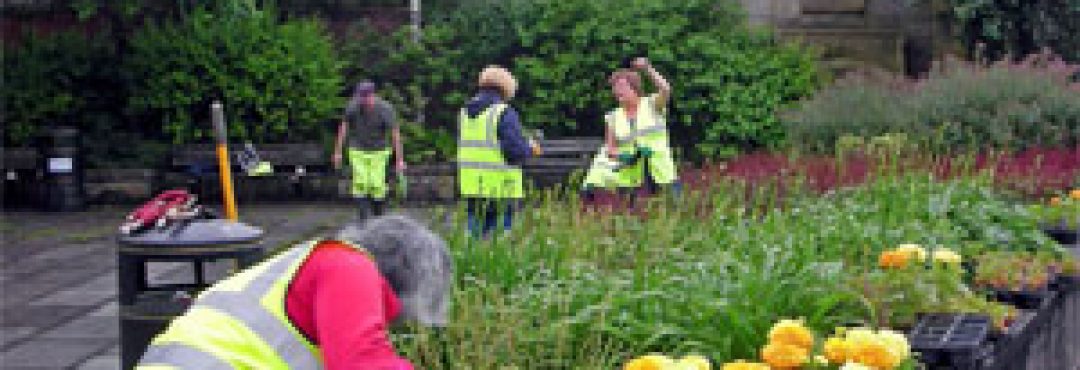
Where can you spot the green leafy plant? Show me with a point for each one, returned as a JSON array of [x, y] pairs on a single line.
[[60, 79], [277, 80]]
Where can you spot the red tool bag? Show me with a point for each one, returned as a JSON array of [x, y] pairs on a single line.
[[170, 205]]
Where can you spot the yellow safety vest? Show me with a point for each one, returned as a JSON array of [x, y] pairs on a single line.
[[649, 131], [482, 169], [239, 323]]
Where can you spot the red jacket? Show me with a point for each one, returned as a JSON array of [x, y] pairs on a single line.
[[340, 302]]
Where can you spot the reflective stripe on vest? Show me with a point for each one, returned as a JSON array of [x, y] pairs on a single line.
[[650, 127], [181, 356], [245, 307], [645, 132]]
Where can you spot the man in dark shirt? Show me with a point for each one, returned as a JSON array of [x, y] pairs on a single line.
[[370, 119]]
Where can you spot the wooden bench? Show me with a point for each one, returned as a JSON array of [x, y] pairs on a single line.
[[301, 171], [561, 158], [438, 182]]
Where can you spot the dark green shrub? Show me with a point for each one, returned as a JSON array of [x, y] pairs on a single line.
[[1006, 106], [278, 81], [1019, 27], [58, 79]]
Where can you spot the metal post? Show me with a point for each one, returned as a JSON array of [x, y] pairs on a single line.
[[217, 116], [414, 16]]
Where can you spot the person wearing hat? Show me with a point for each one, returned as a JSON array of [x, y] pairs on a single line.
[[636, 136], [323, 304], [367, 122], [491, 148]]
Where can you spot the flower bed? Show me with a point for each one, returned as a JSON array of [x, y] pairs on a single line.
[[710, 273]]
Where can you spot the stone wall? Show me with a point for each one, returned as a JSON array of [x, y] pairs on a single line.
[[900, 36]]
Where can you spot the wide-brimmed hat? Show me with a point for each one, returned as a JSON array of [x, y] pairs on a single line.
[[499, 78]]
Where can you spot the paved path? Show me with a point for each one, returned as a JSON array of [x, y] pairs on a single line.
[[58, 279]]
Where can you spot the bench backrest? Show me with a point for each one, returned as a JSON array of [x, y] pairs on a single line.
[[20, 158], [304, 154], [564, 155]]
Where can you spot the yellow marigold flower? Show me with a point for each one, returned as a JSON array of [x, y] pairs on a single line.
[[784, 356], [1075, 194], [873, 354], [791, 332], [693, 362], [743, 365], [836, 350], [893, 259], [896, 343], [649, 362], [855, 366], [947, 256], [914, 251], [872, 349]]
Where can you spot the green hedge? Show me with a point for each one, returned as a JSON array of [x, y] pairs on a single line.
[[1006, 106], [58, 79], [279, 81], [728, 81]]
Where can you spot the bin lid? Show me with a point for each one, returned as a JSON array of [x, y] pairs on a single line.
[[196, 232]]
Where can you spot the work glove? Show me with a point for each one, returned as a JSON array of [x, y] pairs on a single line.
[[627, 159]]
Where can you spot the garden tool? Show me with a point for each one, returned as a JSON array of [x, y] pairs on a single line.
[[644, 152], [534, 143]]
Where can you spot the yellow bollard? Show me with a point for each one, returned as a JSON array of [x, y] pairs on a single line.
[[217, 116]]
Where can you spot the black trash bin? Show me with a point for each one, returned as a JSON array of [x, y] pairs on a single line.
[[145, 310]]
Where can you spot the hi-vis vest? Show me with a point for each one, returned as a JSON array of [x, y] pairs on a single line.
[[239, 323], [482, 170], [649, 131]]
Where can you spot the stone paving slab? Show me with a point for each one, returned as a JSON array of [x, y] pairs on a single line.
[[52, 353], [14, 334], [38, 316], [104, 328], [104, 362], [91, 293]]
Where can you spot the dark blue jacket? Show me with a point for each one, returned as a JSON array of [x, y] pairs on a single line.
[[511, 140]]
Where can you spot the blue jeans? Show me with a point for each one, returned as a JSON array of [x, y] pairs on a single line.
[[488, 210]]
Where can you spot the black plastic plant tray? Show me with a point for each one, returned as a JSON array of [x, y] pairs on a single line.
[[1023, 299], [975, 359], [1065, 283], [1043, 312], [1063, 236], [949, 331], [1010, 349], [951, 341]]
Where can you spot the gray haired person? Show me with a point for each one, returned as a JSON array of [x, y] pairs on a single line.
[[323, 304]]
